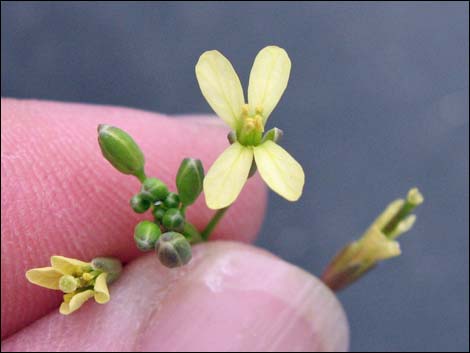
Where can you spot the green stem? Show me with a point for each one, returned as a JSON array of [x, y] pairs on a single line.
[[141, 175], [213, 222]]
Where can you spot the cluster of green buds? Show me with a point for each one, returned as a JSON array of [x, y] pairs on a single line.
[[169, 234], [377, 244]]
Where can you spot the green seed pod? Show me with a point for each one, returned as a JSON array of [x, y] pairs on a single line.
[[173, 219], [189, 180], [154, 189], [173, 250], [172, 200], [139, 203], [121, 151], [146, 234], [158, 213]]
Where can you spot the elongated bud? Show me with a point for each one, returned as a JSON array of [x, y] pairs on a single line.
[[172, 200], [139, 203], [121, 151], [173, 219], [154, 189], [173, 250], [146, 234], [274, 135], [189, 180]]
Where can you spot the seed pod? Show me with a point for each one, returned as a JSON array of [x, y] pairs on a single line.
[[173, 219], [121, 151], [154, 189], [189, 180], [172, 200], [146, 234], [139, 203], [173, 250]]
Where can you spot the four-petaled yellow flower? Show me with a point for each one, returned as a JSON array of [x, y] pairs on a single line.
[[79, 280], [221, 87]]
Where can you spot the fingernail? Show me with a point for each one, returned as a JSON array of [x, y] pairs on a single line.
[[237, 298]]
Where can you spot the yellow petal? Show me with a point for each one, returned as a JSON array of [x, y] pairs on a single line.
[[386, 216], [268, 79], [220, 86], [279, 170], [375, 246], [226, 177], [76, 302], [46, 277], [403, 226], [68, 266], [101, 289]]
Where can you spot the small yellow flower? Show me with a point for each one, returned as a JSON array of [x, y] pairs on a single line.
[[377, 243], [221, 87], [77, 279]]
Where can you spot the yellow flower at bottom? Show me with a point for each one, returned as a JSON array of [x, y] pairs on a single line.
[[79, 280], [221, 87]]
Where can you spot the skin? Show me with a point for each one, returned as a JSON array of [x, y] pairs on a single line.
[[60, 197]]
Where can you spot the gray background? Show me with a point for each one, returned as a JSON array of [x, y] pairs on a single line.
[[377, 102]]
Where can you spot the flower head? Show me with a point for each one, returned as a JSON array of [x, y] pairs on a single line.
[[221, 87], [377, 243], [78, 280]]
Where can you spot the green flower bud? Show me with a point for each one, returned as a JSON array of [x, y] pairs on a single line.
[[121, 151], [68, 284], [158, 213], [139, 203], [110, 265], [173, 250], [173, 219], [146, 234], [189, 180], [154, 189], [172, 200]]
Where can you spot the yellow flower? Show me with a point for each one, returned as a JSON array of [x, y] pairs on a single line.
[[377, 243], [77, 279], [221, 87]]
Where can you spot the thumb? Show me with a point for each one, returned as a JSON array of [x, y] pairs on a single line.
[[232, 297]]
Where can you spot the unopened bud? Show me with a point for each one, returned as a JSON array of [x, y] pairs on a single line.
[[154, 189], [173, 219], [172, 200], [146, 234], [110, 265], [173, 250], [139, 203], [121, 151], [189, 180]]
